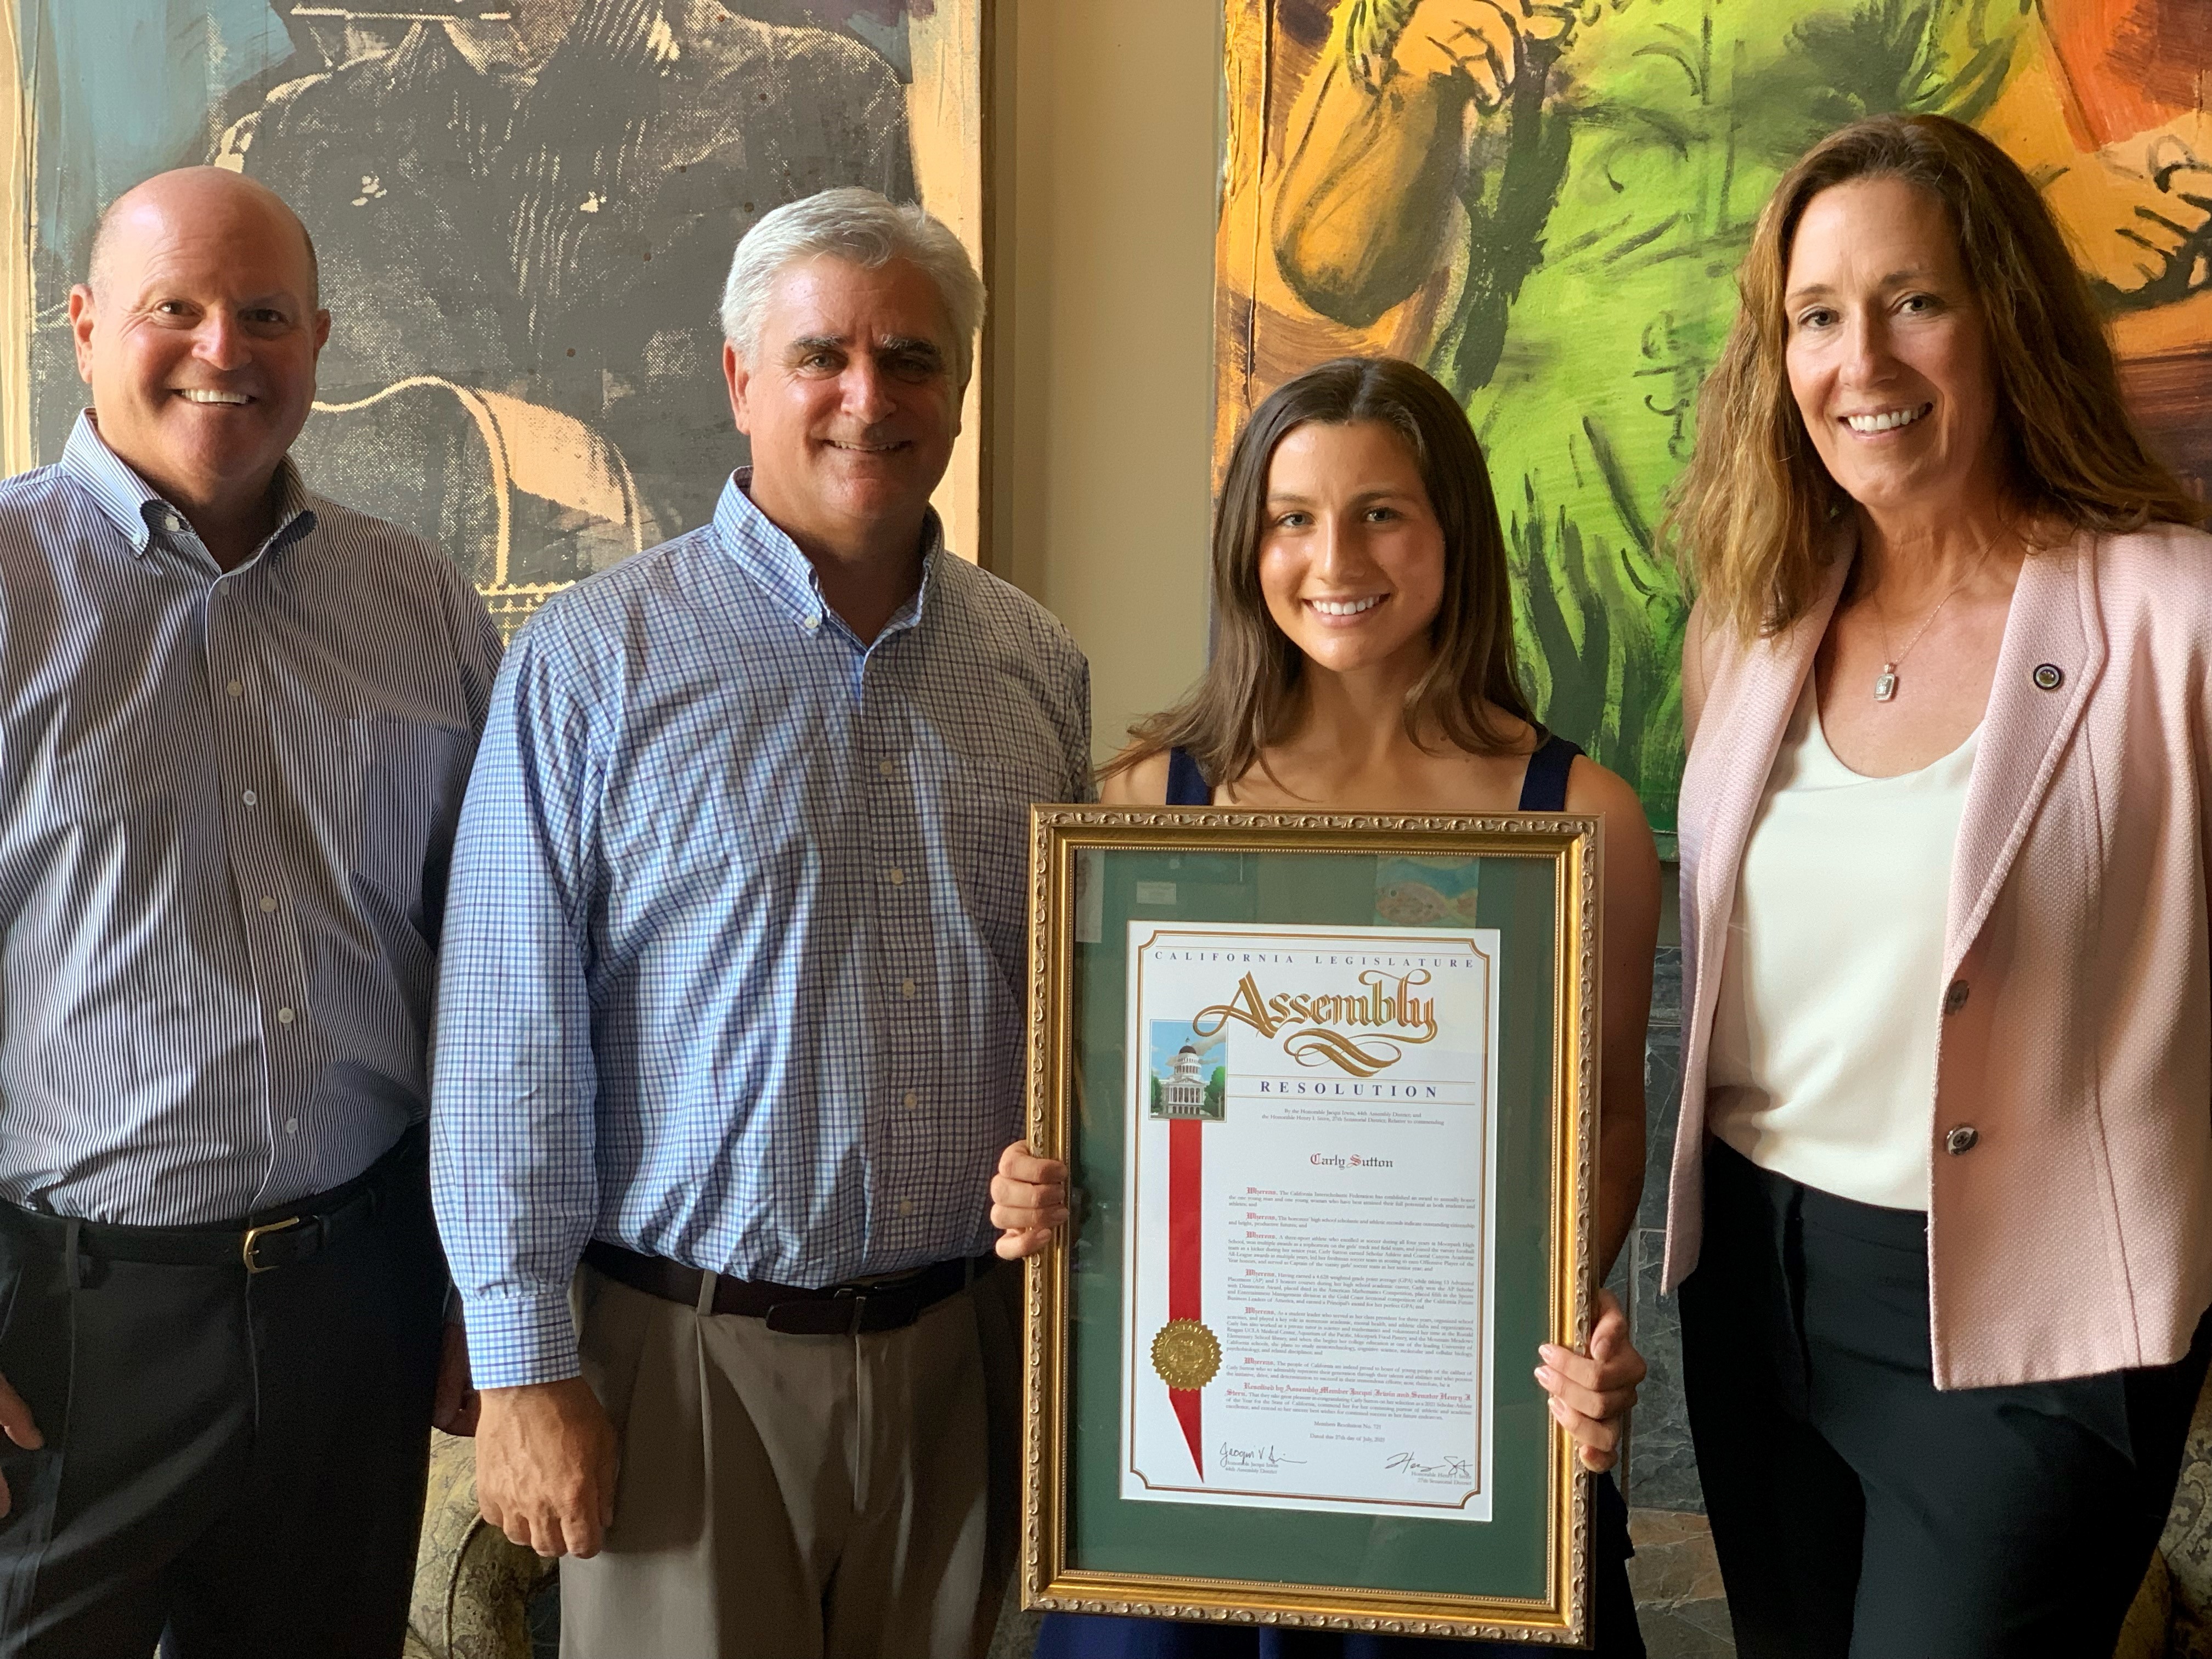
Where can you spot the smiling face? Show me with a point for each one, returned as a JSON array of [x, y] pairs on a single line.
[[198, 336], [852, 409], [1887, 359], [1352, 557]]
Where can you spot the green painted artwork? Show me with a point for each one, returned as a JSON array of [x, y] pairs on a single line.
[[1545, 204]]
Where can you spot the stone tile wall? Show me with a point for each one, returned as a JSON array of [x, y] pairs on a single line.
[[1678, 1584]]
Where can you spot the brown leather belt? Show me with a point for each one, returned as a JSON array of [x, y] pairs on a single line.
[[884, 1304]]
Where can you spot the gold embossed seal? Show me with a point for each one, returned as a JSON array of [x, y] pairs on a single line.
[[1186, 1354]]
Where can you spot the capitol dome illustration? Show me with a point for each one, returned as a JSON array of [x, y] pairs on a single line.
[[1183, 1094]]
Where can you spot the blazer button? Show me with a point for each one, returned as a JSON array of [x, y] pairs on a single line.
[[2048, 677], [1955, 997], [1961, 1138]]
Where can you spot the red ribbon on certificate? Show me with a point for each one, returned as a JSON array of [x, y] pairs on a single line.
[[1186, 1199]]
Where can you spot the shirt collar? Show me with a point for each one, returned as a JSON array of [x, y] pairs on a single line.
[[772, 559], [137, 510]]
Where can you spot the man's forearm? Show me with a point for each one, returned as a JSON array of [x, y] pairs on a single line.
[[513, 1125], [520, 1340]]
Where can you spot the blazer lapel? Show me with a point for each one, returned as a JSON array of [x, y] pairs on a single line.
[[2053, 626], [1761, 689], [1747, 711]]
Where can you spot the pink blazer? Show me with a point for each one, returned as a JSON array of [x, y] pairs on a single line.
[[2073, 1234]]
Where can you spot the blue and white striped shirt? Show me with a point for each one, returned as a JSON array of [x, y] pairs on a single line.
[[230, 807], [735, 960]]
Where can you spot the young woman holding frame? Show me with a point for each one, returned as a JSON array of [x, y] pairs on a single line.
[[1364, 663]]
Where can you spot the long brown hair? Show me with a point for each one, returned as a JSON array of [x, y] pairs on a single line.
[[1249, 694], [1752, 511]]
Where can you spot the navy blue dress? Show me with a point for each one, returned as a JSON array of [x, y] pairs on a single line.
[[1085, 1635]]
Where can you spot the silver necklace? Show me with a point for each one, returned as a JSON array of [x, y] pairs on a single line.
[[1885, 684]]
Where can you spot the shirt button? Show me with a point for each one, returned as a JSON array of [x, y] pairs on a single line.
[[906, 988], [913, 1100], [906, 1206], [236, 689], [250, 799], [886, 769], [285, 1016], [1955, 997], [291, 1126], [895, 875], [268, 905], [1961, 1138]]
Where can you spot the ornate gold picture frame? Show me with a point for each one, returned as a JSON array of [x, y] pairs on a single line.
[[1364, 1031]]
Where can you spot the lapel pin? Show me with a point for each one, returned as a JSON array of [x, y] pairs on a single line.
[[2048, 677]]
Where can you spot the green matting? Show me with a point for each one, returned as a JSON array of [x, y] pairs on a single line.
[[1505, 1557]]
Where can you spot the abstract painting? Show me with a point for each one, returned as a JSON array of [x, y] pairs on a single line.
[[1544, 201], [524, 210]]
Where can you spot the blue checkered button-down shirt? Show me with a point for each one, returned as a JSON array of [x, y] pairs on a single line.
[[230, 800], [735, 958]]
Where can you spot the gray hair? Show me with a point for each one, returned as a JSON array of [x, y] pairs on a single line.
[[857, 225]]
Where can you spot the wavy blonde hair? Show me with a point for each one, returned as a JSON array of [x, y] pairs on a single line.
[[1750, 513]]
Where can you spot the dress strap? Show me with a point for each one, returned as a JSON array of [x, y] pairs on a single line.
[[1544, 786], [1187, 784]]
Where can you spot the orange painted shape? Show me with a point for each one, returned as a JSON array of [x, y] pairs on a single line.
[[2129, 65]]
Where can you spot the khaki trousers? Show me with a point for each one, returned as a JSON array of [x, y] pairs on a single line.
[[801, 1497]]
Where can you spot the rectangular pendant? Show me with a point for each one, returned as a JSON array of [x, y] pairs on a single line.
[[1884, 687]]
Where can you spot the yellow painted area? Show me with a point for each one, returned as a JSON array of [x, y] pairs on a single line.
[[18, 133], [945, 118]]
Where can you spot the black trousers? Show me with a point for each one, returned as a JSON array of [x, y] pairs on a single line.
[[1858, 1511], [237, 1462]]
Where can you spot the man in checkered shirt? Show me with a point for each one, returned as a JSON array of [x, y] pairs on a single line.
[[731, 1008]]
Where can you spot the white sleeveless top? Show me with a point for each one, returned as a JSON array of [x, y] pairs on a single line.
[[1823, 1057]]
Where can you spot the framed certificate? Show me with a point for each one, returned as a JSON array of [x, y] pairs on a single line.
[[1326, 1085]]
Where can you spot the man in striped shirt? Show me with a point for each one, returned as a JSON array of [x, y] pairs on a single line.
[[235, 723], [730, 1009]]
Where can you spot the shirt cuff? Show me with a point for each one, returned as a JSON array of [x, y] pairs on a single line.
[[519, 1340]]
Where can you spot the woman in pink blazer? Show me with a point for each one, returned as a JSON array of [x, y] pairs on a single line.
[[1941, 1201]]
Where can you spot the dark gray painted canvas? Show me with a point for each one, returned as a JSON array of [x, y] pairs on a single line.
[[524, 212]]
